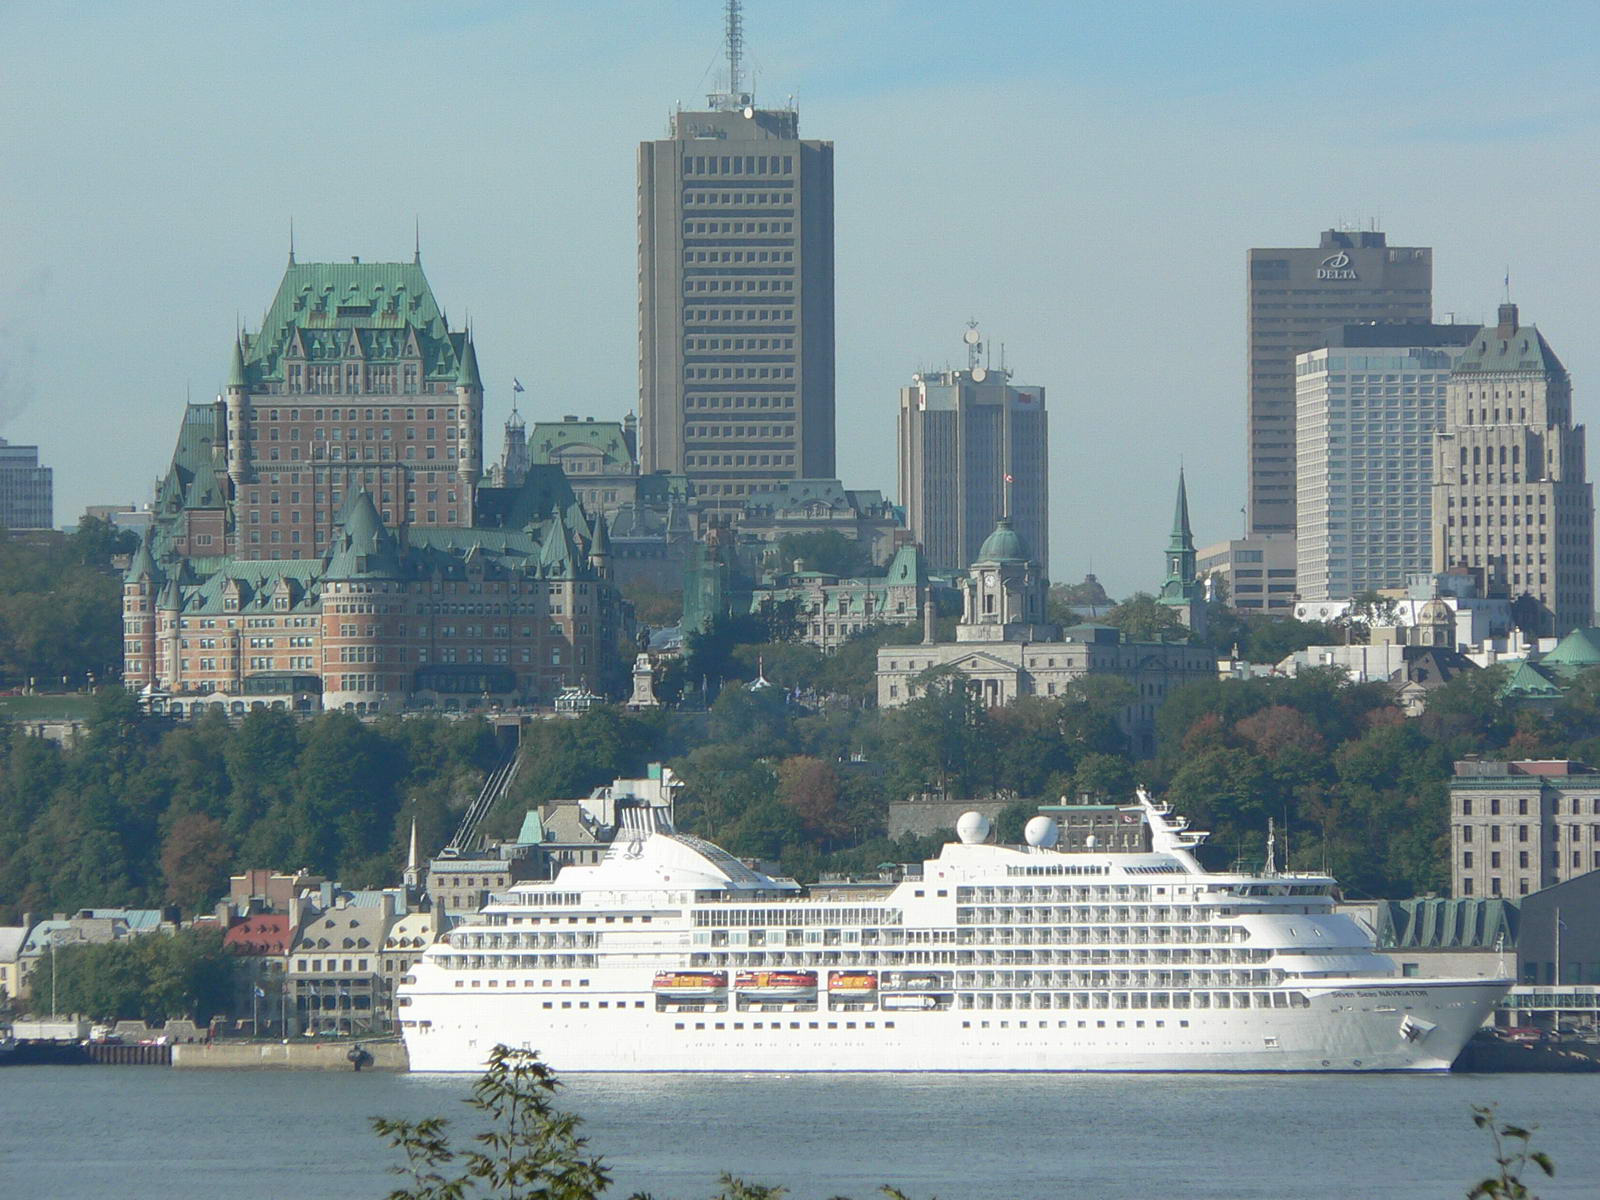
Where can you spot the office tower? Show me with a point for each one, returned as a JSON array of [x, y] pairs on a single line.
[[736, 367], [1509, 493], [972, 449], [1296, 294], [1368, 405], [26, 489]]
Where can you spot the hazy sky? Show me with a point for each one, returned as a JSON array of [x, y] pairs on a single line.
[[1084, 179]]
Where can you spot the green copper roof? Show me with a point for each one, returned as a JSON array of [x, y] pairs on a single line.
[[547, 439], [1510, 346], [1579, 649], [1431, 924], [1182, 538], [1003, 545], [362, 546], [907, 566], [1529, 682], [467, 376], [237, 377], [545, 490], [370, 311], [143, 565]]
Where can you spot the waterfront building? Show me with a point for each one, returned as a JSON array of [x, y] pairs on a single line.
[[27, 490], [1519, 827], [1004, 648], [259, 944], [973, 448], [1295, 295], [1368, 405], [1510, 493], [13, 992], [736, 304], [335, 975]]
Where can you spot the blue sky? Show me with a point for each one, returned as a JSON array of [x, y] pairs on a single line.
[[1082, 179]]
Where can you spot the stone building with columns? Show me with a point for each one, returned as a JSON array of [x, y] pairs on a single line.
[[1005, 649]]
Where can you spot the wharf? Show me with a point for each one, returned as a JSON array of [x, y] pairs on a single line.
[[288, 1056]]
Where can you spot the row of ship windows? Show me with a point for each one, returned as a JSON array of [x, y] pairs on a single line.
[[892, 958], [996, 936]]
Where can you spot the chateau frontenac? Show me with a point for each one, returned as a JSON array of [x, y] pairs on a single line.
[[324, 536]]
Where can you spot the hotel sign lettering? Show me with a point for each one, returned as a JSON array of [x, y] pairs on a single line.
[[1336, 266]]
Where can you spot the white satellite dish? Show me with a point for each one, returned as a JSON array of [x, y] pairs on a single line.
[[979, 374], [972, 337], [748, 112]]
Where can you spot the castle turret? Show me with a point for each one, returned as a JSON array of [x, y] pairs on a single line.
[[469, 418], [237, 401], [139, 585], [600, 548]]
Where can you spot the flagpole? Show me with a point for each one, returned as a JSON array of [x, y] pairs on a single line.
[[1558, 945]]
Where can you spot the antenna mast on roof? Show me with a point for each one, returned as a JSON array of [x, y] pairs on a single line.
[[735, 38]]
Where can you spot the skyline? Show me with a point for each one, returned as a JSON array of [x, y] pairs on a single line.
[[147, 207]]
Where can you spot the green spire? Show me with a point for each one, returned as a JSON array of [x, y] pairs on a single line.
[[143, 565], [236, 372], [468, 376], [1182, 538], [555, 556], [1180, 583]]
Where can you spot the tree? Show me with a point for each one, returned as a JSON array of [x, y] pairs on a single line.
[[528, 1149], [1143, 618], [811, 787], [1512, 1154], [825, 550], [195, 858]]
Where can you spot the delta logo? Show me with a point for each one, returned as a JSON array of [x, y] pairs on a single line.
[[1336, 266]]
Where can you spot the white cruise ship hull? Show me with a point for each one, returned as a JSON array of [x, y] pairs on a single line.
[[1376, 1025]]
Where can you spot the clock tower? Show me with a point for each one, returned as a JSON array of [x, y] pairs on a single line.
[[1003, 596]]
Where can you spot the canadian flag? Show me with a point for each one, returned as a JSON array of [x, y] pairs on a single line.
[[1010, 478]]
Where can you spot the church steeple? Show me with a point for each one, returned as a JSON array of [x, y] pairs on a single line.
[[1182, 590], [1180, 547]]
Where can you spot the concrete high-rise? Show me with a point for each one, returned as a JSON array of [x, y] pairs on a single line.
[[27, 495], [1296, 294], [973, 449], [736, 321], [1369, 403], [1510, 498]]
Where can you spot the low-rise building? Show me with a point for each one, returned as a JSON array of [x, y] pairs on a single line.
[[13, 991], [260, 944], [337, 983], [801, 506]]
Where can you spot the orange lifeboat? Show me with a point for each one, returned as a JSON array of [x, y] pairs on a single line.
[[776, 985], [690, 985], [857, 982]]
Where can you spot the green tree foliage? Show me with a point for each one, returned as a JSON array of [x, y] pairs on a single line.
[[150, 977], [60, 605], [1513, 1151], [138, 812], [1142, 618], [1263, 639], [825, 550]]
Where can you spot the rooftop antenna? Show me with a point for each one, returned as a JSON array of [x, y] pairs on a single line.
[[416, 226], [974, 341], [735, 37], [291, 241], [1272, 847]]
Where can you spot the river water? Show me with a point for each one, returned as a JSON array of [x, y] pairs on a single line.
[[151, 1133]]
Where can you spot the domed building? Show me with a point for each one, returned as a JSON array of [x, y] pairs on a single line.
[[1005, 648]]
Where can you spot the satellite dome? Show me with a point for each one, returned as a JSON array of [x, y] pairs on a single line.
[[1041, 831], [1090, 842], [972, 828]]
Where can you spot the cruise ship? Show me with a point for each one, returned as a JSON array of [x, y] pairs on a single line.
[[670, 954]]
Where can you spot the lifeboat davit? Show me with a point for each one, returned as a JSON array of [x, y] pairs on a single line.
[[776, 985], [691, 985]]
